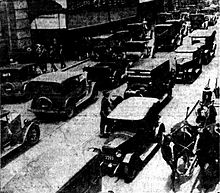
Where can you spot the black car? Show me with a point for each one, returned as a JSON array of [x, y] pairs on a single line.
[[188, 62], [150, 77], [107, 73], [60, 92], [167, 36], [14, 79], [198, 21], [206, 37], [135, 50], [136, 135]]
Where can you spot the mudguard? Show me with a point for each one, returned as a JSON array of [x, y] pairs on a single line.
[[28, 128], [127, 158]]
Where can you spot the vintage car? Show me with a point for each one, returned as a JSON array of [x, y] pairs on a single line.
[[15, 132], [197, 21], [139, 31], [14, 78], [207, 37], [188, 63], [107, 73], [150, 78], [136, 134], [163, 16], [210, 15], [167, 36], [102, 45], [60, 92], [134, 50], [121, 37]]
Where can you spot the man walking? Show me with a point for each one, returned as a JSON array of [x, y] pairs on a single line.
[[105, 110]]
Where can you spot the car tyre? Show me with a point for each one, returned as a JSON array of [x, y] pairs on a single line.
[[33, 135]]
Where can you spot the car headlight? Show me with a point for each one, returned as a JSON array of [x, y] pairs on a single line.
[[118, 154]]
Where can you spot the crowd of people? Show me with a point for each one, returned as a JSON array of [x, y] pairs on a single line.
[[42, 56]]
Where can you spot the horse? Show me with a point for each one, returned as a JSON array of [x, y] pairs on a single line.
[[207, 150], [177, 150]]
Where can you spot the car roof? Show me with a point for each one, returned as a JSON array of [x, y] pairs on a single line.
[[186, 48], [103, 36], [56, 77], [164, 25], [4, 113], [201, 33], [148, 64], [15, 66], [133, 108]]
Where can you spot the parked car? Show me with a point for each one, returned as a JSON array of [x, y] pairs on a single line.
[[188, 62], [207, 37], [150, 78], [107, 73], [166, 36], [135, 50], [136, 134], [210, 15], [14, 79], [139, 31], [163, 16], [197, 21], [60, 92], [102, 45], [15, 132]]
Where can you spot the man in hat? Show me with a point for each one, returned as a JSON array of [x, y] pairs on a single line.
[[105, 111]]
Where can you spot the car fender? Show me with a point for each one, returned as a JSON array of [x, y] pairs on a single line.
[[92, 88], [69, 100], [159, 128], [28, 128], [127, 158]]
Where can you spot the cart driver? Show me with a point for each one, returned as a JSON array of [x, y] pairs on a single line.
[[105, 111]]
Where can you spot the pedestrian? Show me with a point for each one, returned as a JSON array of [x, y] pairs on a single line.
[[42, 57], [52, 58], [61, 56], [105, 111]]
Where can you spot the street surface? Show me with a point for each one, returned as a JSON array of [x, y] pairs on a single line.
[[83, 131]]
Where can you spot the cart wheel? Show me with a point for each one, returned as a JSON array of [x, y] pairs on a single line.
[[33, 135]]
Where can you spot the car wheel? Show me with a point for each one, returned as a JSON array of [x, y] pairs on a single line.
[[70, 111], [33, 135]]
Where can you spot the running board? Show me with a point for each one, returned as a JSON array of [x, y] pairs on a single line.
[[150, 152], [10, 149]]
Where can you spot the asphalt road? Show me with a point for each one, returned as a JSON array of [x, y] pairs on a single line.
[[155, 177]]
